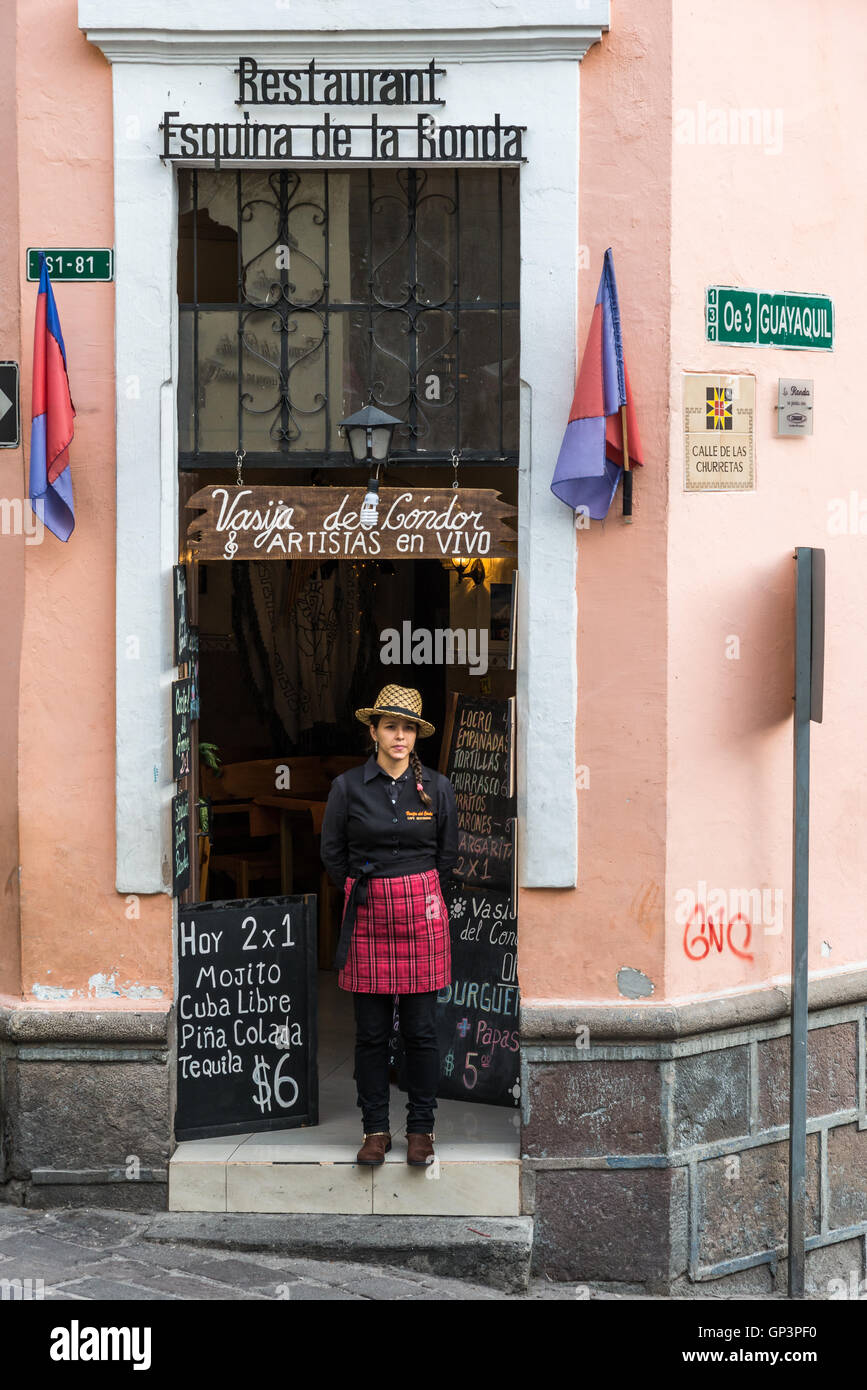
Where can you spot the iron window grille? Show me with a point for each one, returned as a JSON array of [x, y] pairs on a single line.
[[304, 295]]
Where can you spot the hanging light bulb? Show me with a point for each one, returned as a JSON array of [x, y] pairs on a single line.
[[369, 514]]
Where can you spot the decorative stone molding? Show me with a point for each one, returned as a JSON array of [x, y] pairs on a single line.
[[552, 1022], [178, 31]]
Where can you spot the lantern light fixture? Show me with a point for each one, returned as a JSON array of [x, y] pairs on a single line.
[[369, 432]]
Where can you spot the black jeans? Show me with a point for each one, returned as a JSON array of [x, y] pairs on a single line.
[[373, 1020]]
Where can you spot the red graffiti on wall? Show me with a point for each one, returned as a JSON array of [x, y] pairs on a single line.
[[700, 935]]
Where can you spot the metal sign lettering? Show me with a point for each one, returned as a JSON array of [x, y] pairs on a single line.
[[312, 86], [72, 262], [250, 523], [423, 142]]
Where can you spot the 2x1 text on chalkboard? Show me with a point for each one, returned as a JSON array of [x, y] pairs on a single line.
[[479, 762], [247, 1016]]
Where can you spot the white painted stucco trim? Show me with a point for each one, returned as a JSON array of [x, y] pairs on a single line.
[[491, 66]]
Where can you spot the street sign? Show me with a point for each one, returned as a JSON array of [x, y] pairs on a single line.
[[10, 412], [72, 262], [755, 318]]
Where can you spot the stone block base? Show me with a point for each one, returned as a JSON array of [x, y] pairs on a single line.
[[85, 1109], [663, 1165]]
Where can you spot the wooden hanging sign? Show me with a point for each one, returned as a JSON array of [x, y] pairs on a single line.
[[281, 521]]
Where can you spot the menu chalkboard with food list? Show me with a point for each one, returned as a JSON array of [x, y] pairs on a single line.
[[246, 1016], [477, 1014], [181, 737], [181, 629], [478, 759], [180, 843]]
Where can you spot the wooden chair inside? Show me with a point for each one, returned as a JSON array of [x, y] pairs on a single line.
[[245, 869]]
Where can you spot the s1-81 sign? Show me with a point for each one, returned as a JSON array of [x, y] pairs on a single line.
[[72, 262]]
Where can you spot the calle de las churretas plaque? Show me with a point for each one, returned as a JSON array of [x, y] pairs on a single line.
[[718, 419], [285, 522]]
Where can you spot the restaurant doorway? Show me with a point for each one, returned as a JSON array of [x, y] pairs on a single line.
[[399, 287], [284, 659]]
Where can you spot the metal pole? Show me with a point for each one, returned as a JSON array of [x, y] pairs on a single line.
[[800, 889]]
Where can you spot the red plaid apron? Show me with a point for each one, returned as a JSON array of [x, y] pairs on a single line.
[[401, 943]]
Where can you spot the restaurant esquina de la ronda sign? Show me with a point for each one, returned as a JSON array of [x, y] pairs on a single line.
[[249, 523], [374, 140]]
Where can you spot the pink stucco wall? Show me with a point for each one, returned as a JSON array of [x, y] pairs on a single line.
[[12, 487], [687, 752], [573, 942], [80, 938], [786, 213], [689, 749]]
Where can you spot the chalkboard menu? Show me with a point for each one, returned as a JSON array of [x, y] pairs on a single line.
[[181, 741], [182, 636], [479, 762], [194, 672], [477, 1014], [246, 1016], [180, 843]]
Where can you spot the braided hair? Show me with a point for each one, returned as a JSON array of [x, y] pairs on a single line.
[[415, 764]]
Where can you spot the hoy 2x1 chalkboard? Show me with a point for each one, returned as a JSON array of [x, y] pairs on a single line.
[[246, 1020]]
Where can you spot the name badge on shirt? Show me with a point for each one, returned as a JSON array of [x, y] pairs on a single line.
[[419, 815]]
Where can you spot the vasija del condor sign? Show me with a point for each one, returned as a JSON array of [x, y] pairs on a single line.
[[250, 523], [333, 137]]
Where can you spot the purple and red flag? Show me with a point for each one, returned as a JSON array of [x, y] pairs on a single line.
[[53, 412], [590, 462]]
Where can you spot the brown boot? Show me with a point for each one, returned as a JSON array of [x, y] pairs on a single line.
[[374, 1148], [419, 1149]]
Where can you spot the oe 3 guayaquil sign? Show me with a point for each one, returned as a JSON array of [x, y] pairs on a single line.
[[760, 319]]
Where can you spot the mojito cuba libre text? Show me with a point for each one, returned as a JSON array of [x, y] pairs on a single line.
[[248, 997], [246, 522]]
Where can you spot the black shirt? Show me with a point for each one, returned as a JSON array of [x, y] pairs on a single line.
[[372, 816]]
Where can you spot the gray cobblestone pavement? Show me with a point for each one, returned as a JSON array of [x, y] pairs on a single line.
[[98, 1254], [85, 1253]]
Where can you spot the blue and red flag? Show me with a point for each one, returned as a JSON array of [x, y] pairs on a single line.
[[53, 412], [590, 462]]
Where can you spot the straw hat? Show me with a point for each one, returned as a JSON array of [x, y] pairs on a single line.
[[398, 699]]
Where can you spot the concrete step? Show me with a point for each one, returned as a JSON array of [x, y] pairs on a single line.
[[270, 1174], [483, 1250], [476, 1172]]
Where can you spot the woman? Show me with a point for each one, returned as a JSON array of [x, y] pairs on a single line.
[[390, 838]]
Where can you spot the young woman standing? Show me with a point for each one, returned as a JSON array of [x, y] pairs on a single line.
[[389, 839]]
